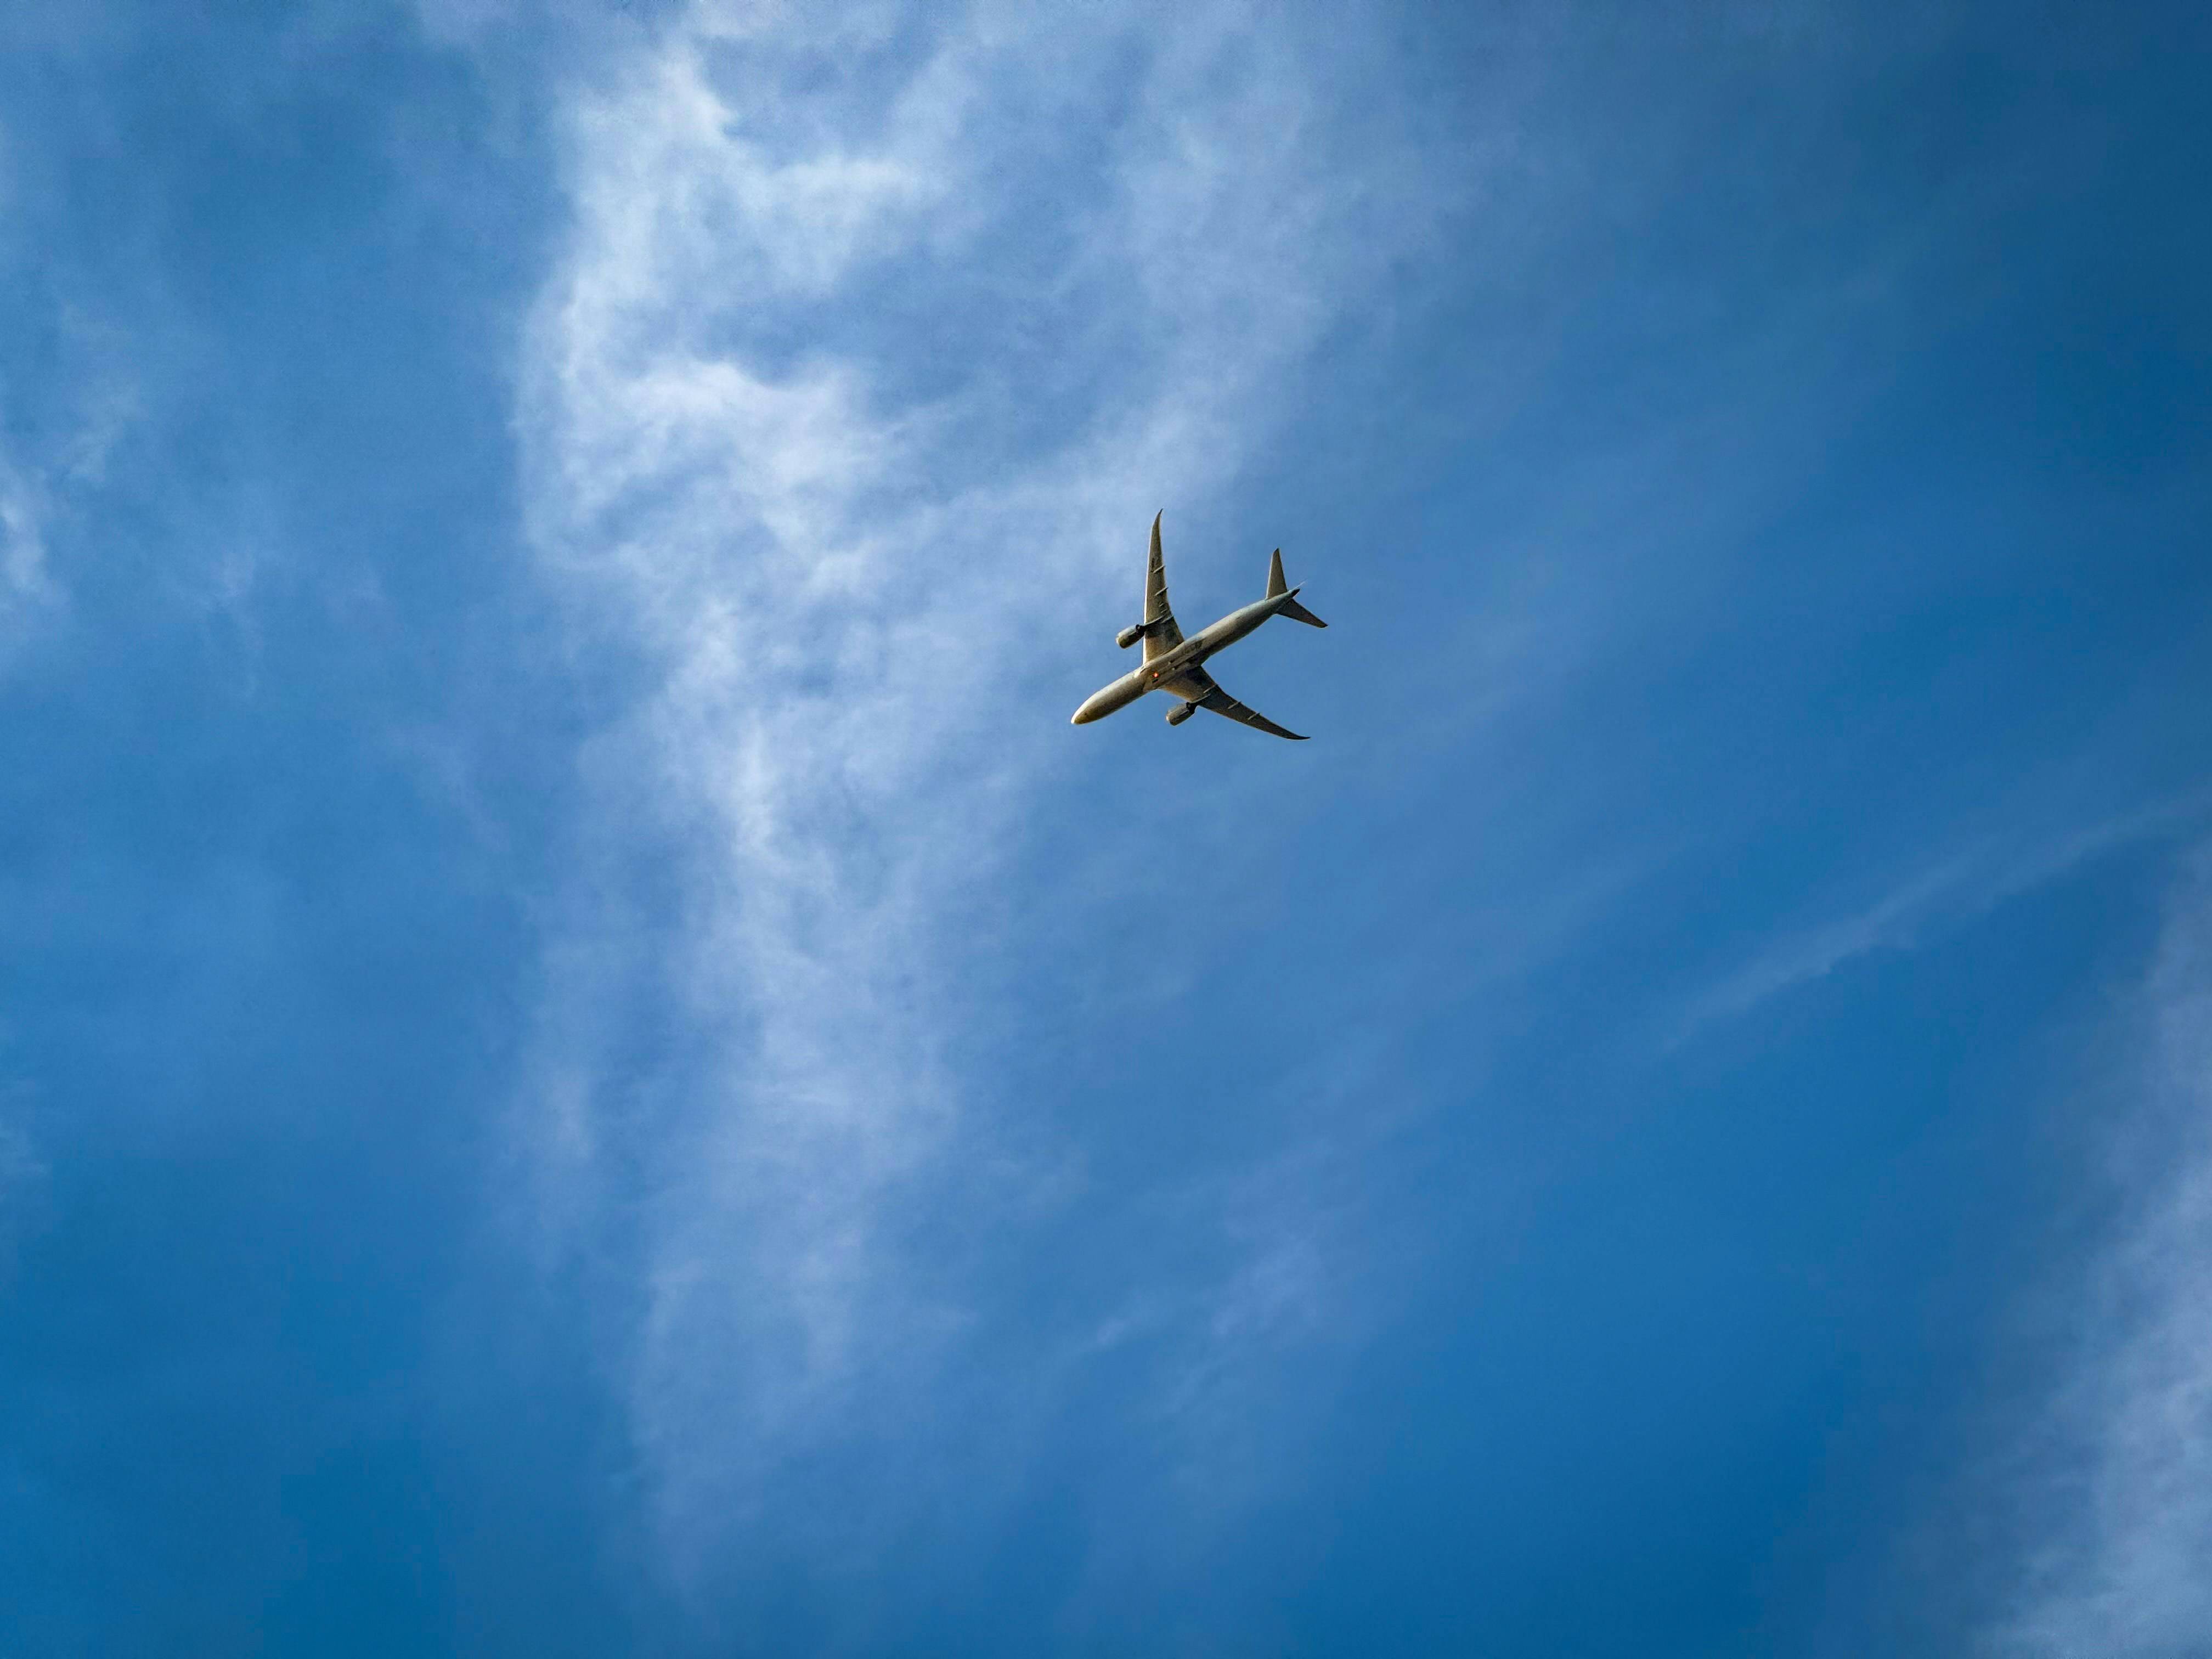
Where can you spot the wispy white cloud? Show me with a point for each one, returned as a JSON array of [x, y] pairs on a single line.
[[2117, 1501], [37, 488], [22, 543], [856, 372], [89, 413], [1956, 888]]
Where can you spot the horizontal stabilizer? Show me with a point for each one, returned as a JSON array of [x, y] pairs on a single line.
[[1277, 587]]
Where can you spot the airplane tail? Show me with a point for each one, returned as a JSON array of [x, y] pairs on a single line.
[[1277, 587]]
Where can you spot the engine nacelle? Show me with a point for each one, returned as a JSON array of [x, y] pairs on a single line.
[[1182, 712], [1129, 635]]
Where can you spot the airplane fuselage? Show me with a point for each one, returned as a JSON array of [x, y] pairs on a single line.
[[1168, 665]]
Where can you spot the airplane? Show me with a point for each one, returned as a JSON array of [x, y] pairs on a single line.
[[1176, 666]]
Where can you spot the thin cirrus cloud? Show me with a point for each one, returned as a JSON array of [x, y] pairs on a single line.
[[1959, 887], [39, 488], [746, 465], [22, 547], [59, 433], [2114, 1511]]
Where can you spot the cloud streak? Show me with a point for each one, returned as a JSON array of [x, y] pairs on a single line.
[[89, 407], [1947, 894], [2120, 1511], [22, 547], [749, 467]]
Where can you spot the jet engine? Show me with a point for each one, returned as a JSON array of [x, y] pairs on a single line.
[[1129, 635], [1182, 712]]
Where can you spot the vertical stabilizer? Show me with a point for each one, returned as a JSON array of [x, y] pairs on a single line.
[[1276, 586]]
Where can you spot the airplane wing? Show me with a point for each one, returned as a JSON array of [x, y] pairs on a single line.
[[1196, 685], [1161, 634], [1222, 703]]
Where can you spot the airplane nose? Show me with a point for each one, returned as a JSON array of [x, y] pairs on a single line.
[[1103, 701]]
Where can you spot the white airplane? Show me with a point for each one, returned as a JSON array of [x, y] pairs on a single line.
[[1176, 666]]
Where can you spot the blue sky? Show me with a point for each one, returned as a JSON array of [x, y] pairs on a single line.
[[589, 1066]]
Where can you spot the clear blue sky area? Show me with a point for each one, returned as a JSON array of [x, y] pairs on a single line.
[[590, 1065]]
